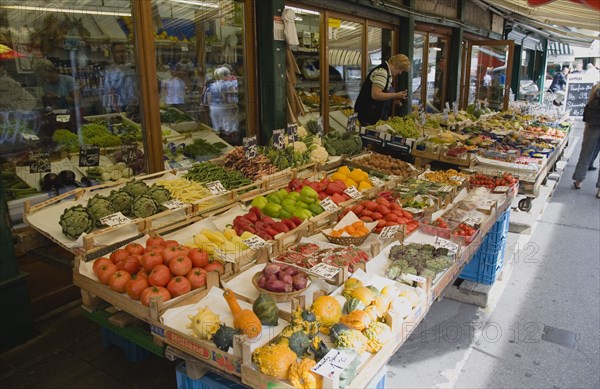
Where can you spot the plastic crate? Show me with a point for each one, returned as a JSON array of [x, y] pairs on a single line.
[[208, 381], [485, 265], [378, 382], [133, 352], [500, 229]]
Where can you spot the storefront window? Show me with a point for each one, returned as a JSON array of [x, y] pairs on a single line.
[[488, 77], [418, 86], [303, 67], [67, 77], [345, 68], [436, 63]]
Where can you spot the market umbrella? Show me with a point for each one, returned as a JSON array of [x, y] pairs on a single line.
[[8, 53]]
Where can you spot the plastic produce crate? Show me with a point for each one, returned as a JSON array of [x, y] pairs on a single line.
[[500, 229], [134, 352], [208, 381], [378, 382]]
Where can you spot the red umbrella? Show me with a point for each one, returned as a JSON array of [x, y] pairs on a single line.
[[590, 3], [8, 53]]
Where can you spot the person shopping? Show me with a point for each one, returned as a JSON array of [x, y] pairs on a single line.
[[375, 91], [591, 138], [222, 97], [558, 86]]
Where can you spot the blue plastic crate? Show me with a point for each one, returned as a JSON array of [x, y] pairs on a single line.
[[499, 230], [378, 382], [486, 263], [208, 381], [134, 352]]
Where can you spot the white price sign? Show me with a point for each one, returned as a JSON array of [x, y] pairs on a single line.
[[215, 187], [63, 118], [353, 192], [115, 219], [333, 363], [255, 242], [185, 163], [414, 278], [222, 256], [388, 232], [328, 205], [173, 204], [446, 188], [486, 204], [445, 244], [412, 210], [472, 221], [376, 181], [458, 178], [501, 189], [324, 270]]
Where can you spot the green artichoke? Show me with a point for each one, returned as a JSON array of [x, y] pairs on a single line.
[[100, 206], [121, 201], [136, 188], [75, 221], [144, 206], [159, 193]]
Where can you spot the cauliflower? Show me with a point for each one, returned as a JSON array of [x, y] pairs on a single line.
[[300, 147], [302, 132], [319, 155]]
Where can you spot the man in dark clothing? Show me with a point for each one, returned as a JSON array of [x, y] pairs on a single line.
[[559, 83]]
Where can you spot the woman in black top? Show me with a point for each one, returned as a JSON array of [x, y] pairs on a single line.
[[591, 138]]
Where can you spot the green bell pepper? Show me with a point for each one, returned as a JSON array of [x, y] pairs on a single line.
[[302, 213], [309, 192], [272, 209], [282, 194], [301, 205], [315, 208], [308, 200], [274, 198], [285, 214], [294, 195], [259, 202]]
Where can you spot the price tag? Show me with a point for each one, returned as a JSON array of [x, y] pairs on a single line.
[[446, 244], [328, 205], [278, 139], [222, 256], [376, 181], [324, 270], [388, 232], [215, 187], [414, 278], [446, 188], [185, 163], [412, 210], [472, 221], [352, 119], [292, 132], [501, 189], [129, 152], [39, 162], [320, 130], [115, 219], [63, 118], [255, 242], [353, 192], [458, 178], [486, 204], [333, 363], [89, 155], [173, 204], [250, 147]]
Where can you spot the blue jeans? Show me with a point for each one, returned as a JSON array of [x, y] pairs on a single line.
[[591, 140]]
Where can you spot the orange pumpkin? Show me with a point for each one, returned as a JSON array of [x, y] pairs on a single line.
[[243, 319]]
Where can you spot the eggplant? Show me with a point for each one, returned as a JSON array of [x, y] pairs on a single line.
[[66, 178], [50, 181]]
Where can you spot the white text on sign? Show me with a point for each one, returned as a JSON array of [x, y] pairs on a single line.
[[445, 244], [333, 363], [324, 270], [255, 242], [328, 205], [215, 187], [173, 204], [115, 219], [352, 192]]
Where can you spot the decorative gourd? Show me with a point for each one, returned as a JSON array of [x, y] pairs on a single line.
[[352, 339], [302, 377], [223, 338], [371, 310], [373, 289], [352, 305], [350, 285], [382, 303], [358, 320], [204, 323], [266, 309], [306, 321], [299, 343], [336, 330], [327, 310], [243, 319], [319, 350], [364, 294], [378, 334], [274, 359]]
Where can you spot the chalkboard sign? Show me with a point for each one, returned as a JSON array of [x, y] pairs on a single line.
[[129, 152], [39, 162], [89, 155], [250, 147], [292, 132], [578, 93], [278, 139]]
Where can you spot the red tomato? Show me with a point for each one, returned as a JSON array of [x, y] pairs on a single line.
[[389, 224], [171, 252], [105, 271], [180, 265], [131, 264], [199, 258], [366, 219], [154, 248], [157, 292], [366, 212], [99, 262], [357, 209], [381, 223], [390, 217], [118, 280], [371, 206], [382, 209], [142, 273], [400, 220], [382, 201], [179, 285], [407, 214], [119, 255], [150, 260], [171, 243], [197, 277], [395, 206], [134, 248], [215, 266], [377, 215], [159, 276], [135, 286], [155, 241]]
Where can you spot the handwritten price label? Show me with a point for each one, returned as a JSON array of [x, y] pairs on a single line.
[[324, 270], [376, 181], [63, 118], [333, 363], [185, 163], [472, 221], [351, 127], [215, 187], [445, 244], [458, 178], [173, 204], [353, 192], [278, 139], [328, 205], [256, 242], [292, 131], [414, 278], [250, 147], [39, 162], [115, 219], [388, 232], [486, 204], [414, 211], [89, 155], [501, 189], [446, 188]]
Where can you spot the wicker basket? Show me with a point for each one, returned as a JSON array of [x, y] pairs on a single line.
[[278, 297], [347, 240]]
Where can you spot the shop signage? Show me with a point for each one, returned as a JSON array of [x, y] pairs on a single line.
[[578, 92], [39, 162], [352, 192], [328, 205], [278, 139], [215, 187], [292, 132], [333, 363], [89, 155], [129, 152], [352, 119], [324, 270], [255, 242], [388, 232], [115, 219], [173, 204], [250, 147]]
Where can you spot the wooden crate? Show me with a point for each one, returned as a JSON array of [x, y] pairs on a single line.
[[468, 162], [277, 180]]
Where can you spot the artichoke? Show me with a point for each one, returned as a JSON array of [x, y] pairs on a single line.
[[121, 201], [144, 206], [100, 206], [136, 188], [75, 221], [159, 193]]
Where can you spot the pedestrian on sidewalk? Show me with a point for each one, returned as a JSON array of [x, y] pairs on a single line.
[[591, 138]]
